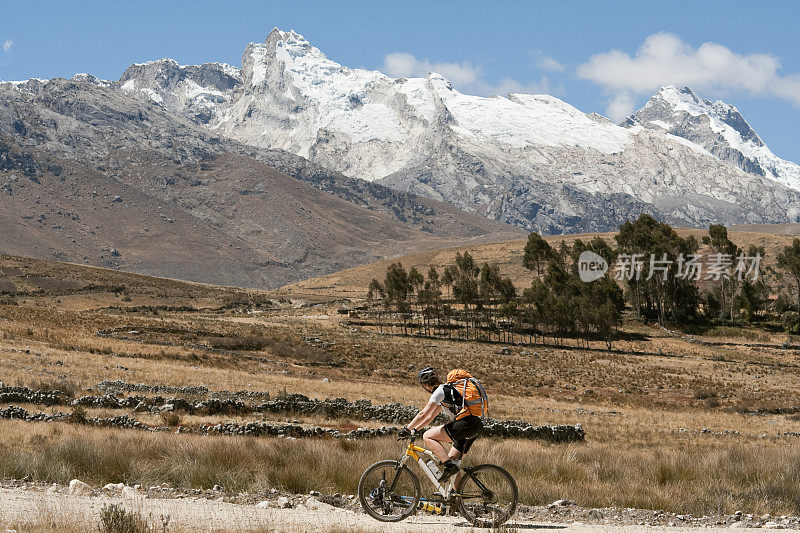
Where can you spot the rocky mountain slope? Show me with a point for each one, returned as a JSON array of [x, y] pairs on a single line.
[[89, 174], [716, 126], [530, 160]]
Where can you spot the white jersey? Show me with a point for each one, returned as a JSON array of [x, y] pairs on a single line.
[[448, 397]]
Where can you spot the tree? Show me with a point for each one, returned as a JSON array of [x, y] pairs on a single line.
[[417, 284], [448, 277], [789, 260], [761, 287], [488, 283], [711, 303], [606, 319], [719, 241], [430, 299], [556, 277], [537, 252], [791, 321], [415, 278], [398, 288], [658, 292], [534, 298], [433, 275], [749, 299], [376, 293], [465, 283], [597, 245], [495, 292], [557, 304], [601, 247], [718, 237]]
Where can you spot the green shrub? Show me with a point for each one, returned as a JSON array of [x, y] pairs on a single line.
[[116, 519], [170, 419], [78, 415], [246, 343]]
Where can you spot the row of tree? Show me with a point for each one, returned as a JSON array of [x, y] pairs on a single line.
[[758, 291], [473, 301]]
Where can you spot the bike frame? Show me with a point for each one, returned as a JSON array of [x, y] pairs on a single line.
[[445, 498], [419, 455]]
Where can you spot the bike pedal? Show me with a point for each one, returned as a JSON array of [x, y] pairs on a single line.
[[435, 508]]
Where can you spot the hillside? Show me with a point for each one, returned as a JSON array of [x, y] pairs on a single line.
[[353, 282], [229, 220], [189, 389], [93, 176]]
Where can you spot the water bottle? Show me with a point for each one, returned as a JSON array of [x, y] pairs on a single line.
[[434, 469]]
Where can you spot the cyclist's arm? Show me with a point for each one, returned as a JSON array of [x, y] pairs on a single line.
[[425, 416]]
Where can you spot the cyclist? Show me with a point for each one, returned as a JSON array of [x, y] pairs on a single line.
[[462, 429]]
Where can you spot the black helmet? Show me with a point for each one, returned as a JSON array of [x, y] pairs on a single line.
[[428, 376]]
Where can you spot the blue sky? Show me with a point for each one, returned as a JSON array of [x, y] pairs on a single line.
[[565, 48]]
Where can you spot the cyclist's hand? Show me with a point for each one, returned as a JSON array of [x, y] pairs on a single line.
[[403, 433]]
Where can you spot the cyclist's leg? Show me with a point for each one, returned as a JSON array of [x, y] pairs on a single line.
[[455, 453], [434, 438], [462, 446]]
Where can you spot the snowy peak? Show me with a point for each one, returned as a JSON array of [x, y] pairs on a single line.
[[90, 78], [31, 86], [166, 73], [530, 160], [686, 101], [193, 90], [716, 126], [262, 61], [293, 41]]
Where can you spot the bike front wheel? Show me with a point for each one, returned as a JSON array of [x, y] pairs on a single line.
[[388, 491], [487, 495]]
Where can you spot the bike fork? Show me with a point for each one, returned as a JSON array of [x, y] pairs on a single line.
[[397, 470]]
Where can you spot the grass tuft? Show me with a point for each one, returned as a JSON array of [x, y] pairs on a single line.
[[116, 519]]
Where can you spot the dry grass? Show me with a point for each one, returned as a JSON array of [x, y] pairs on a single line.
[[692, 478], [632, 402]]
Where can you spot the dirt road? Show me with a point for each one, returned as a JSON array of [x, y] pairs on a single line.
[[22, 509]]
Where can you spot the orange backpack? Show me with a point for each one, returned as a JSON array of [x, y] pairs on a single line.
[[473, 397]]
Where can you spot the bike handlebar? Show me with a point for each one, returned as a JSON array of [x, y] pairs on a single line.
[[412, 437]]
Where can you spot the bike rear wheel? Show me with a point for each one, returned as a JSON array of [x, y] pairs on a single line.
[[487, 495], [388, 491]]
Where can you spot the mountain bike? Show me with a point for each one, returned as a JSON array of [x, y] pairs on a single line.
[[389, 491]]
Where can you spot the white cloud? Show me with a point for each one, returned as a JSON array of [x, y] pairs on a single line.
[[403, 64], [509, 85], [7, 44], [545, 62], [464, 76], [665, 59], [620, 106]]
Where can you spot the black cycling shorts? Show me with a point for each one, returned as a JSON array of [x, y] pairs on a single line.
[[463, 432]]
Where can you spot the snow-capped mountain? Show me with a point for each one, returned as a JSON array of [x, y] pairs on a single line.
[[196, 90], [719, 128], [531, 160]]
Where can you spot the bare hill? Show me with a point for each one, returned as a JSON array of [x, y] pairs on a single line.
[[353, 282], [229, 220]]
